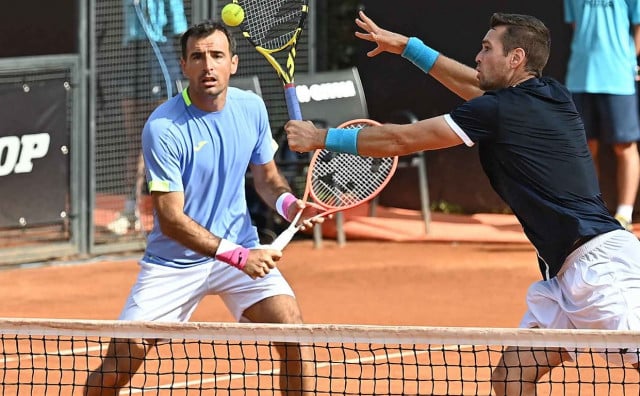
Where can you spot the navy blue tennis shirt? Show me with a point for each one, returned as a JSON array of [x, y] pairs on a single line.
[[533, 148]]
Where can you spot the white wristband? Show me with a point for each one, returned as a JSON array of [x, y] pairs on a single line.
[[232, 254], [283, 202]]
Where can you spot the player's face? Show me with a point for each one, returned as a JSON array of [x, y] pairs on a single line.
[[492, 64], [209, 64]]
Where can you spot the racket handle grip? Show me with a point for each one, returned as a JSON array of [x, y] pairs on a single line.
[[284, 238], [293, 106]]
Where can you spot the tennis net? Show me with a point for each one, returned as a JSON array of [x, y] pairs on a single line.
[[54, 357]]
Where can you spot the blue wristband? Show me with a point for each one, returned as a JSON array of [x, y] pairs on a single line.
[[420, 54], [343, 140]]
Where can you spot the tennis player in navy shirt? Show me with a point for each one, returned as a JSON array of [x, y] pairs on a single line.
[[533, 149]]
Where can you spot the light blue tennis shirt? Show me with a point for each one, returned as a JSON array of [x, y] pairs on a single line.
[[205, 155], [603, 56]]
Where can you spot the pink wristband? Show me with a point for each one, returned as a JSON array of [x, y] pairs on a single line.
[[283, 203], [232, 254]]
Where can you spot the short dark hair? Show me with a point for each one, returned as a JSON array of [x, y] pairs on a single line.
[[528, 33], [204, 29]]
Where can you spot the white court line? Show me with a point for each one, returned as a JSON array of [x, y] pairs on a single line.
[[229, 378], [68, 352], [226, 377]]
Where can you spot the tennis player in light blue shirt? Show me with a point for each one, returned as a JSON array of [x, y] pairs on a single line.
[[181, 142], [601, 74], [197, 148]]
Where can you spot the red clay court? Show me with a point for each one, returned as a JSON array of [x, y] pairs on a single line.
[[470, 271]]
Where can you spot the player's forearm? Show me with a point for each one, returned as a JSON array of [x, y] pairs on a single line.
[[270, 192], [636, 38], [391, 139], [458, 78], [184, 230], [269, 183], [383, 141], [197, 238], [192, 235], [376, 141], [177, 225]]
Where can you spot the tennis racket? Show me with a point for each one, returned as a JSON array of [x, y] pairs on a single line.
[[340, 181], [273, 28]]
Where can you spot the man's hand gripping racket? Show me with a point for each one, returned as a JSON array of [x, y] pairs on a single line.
[[339, 181]]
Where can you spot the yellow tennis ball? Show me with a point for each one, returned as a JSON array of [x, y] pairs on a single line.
[[232, 14]]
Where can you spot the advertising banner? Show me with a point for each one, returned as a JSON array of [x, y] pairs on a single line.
[[34, 160]]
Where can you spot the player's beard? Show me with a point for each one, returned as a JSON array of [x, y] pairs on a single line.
[[214, 92], [491, 84]]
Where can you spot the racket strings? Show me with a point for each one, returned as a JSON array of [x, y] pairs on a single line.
[[345, 180], [356, 125], [272, 24]]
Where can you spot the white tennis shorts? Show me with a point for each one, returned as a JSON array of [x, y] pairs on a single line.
[[172, 294], [598, 287]]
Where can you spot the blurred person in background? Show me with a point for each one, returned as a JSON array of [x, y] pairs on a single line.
[[602, 74]]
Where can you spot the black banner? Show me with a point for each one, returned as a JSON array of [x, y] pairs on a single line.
[[331, 97], [34, 160]]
